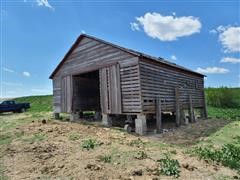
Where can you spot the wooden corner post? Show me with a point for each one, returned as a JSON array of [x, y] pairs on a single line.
[[158, 114], [177, 110]]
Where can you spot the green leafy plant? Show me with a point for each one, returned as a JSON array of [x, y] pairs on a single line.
[[228, 155], [105, 158], [89, 144], [169, 167]]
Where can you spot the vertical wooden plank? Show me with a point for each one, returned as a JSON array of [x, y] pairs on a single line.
[[118, 84], [103, 90], [177, 110], [191, 111], [158, 114]]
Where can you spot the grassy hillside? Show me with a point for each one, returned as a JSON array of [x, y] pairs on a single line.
[[38, 103]]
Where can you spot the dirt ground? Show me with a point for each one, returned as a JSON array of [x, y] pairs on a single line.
[[54, 151]]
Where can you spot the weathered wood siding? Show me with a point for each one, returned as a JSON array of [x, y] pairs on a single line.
[[130, 86], [66, 94], [57, 95], [110, 90], [160, 81], [91, 55]]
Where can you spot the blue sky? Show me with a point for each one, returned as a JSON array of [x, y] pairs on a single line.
[[36, 34]]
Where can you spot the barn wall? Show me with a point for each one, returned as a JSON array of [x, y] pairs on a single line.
[[91, 55], [57, 95], [160, 81], [130, 86]]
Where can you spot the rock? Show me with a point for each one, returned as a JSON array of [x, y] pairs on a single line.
[[185, 165], [188, 167], [137, 172], [93, 167], [61, 166], [44, 121]]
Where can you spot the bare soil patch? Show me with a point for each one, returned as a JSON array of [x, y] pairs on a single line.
[[54, 150]]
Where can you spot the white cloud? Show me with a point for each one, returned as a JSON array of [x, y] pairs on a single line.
[[213, 31], [212, 70], [8, 70], [44, 3], [230, 60], [134, 26], [229, 37], [173, 57], [27, 74], [167, 28], [83, 32]]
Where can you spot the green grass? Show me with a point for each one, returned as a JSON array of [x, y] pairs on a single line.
[[38, 103], [224, 113], [225, 135]]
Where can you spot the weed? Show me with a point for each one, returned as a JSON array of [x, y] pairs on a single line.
[[228, 155], [169, 167], [35, 138], [141, 155], [137, 143], [105, 158], [89, 144], [74, 137]]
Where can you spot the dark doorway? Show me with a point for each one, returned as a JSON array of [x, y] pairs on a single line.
[[86, 93]]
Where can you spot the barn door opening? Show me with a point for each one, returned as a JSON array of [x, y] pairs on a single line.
[[86, 94], [110, 90]]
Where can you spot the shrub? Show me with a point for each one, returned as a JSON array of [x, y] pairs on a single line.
[[89, 144], [169, 167]]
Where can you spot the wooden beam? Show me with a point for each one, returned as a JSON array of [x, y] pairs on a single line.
[[177, 110], [191, 111], [158, 114]]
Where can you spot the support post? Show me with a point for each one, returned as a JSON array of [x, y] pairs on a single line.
[[191, 111], [141, 124], [183, 119], [74, 116], [158, 114], [204, 109], [106, 120], [56, 116], [177, 110]]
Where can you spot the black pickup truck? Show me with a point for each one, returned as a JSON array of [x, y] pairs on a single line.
[[11, 106]]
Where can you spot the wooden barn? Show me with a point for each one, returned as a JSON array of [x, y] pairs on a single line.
[[114, 81]]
